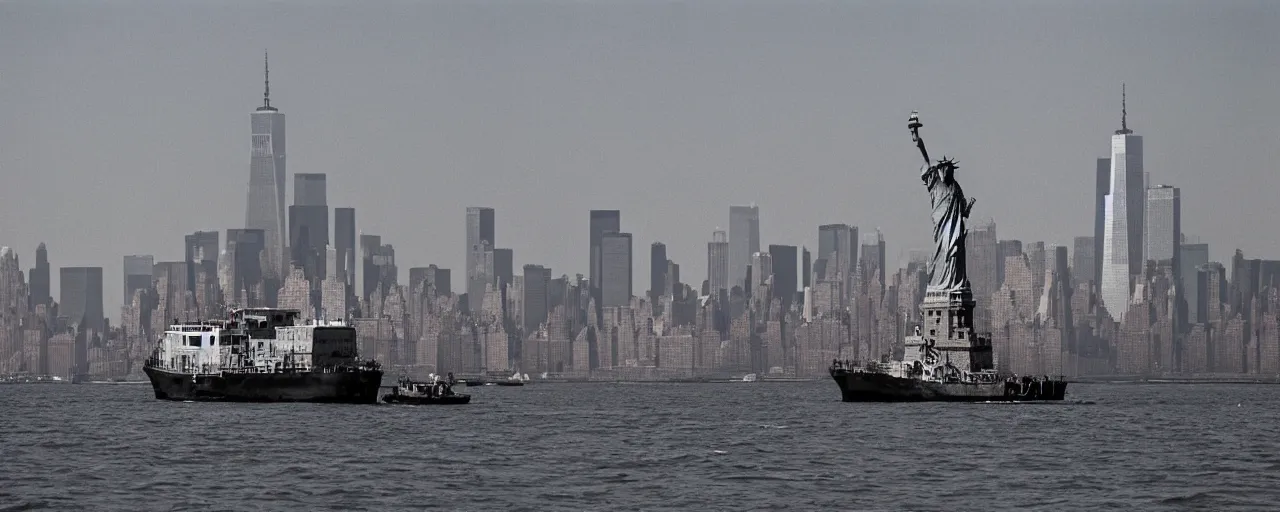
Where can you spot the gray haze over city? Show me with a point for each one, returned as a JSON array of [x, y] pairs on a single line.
[[126, 124]]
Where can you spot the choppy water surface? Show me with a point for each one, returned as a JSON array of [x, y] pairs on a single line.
[[741, 446]]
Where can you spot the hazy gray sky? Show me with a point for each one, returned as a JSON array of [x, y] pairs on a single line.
[[126, 124]]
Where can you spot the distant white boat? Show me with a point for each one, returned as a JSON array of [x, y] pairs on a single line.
[[750, 377]]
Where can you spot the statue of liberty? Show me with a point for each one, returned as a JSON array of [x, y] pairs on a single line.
[[950, 209]]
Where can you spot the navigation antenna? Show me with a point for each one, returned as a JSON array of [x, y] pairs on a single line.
[[1124, 112], [266, 82]]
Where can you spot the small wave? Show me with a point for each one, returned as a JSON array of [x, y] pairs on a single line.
[[1199, 498], [30, 505], [761, 478], [618, 478]]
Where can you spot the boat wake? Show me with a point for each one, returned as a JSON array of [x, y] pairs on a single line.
[[1039, 402]]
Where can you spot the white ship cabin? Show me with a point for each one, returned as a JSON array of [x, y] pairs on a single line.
[[259, 340]]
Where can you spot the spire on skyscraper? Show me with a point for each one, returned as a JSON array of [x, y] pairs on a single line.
[[266, 85], [1124, 112], [266, 80]]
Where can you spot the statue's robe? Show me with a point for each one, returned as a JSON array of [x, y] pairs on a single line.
[[950, 208]]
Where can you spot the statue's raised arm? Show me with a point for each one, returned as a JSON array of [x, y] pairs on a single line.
[[914, 125], [950, 209]]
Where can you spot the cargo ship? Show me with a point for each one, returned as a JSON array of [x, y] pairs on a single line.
[[262, 355]]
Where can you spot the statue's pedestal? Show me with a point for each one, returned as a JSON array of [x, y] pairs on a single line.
[[947, 329]]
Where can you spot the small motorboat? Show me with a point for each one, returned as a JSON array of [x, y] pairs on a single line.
[[514, 380], [425, 393]]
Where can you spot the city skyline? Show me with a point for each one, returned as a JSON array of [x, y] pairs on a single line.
[[845, 173], [309, 191]]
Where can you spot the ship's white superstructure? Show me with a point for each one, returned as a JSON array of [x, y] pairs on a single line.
[[256, 341]]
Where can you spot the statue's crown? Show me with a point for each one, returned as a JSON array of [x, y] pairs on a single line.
[[948, 162]]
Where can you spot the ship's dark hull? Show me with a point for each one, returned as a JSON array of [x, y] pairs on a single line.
[[879, 387], [422, 400], [349, 387]]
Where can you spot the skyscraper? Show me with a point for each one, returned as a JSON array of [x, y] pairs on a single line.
[[1056, 290], [744, 241], [602, 221], [806, 268], [310, 189], [245, 248], [718, 262], [344, 240], [761, 268], [503, 266], [309, 227], [1102, 187], [615, 269], [1211, 287], [838, 244], [170, 278], [1122, 233], [201, 251], [418, 276], [873, 258], [371, 260], [480, 240], [137, 274], [673, 285], [783, 258], [38, 280], [14, 299], [80, 300], [657, 271], [983, 247], [1192, 256], [265, 207], [1084, 261], [537, 289], [1162, 231], [1005, 249], [430, 276]]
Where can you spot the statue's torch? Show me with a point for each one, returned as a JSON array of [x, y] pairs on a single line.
[[914, 124]]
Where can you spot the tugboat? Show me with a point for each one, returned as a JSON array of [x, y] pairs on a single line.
[[436, 392]]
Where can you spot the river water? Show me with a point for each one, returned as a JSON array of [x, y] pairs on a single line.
[[739, 446]]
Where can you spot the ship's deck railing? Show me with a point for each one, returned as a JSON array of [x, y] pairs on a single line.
[[851, 365], [208, 369], [338, 368]]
